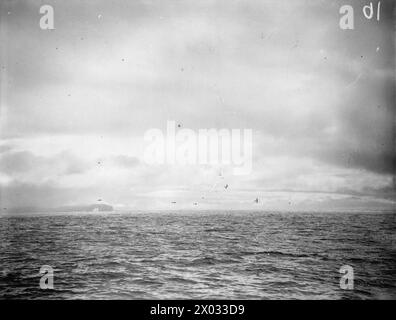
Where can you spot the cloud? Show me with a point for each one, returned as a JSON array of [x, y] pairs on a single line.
[[126, 161], [320, 100], [5, 148], [26, 166], [42, 195]]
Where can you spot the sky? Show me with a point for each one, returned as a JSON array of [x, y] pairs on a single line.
[[77, 100]]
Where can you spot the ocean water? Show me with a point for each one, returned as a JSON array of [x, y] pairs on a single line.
[[223, 255]]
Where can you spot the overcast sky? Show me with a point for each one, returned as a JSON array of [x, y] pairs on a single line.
[[77, 100]]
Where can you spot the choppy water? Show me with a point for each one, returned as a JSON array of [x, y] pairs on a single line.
[[236, 255]]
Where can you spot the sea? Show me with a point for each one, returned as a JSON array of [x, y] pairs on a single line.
[[198, 255]]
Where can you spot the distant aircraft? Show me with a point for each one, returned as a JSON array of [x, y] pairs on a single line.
[[256, 200]]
